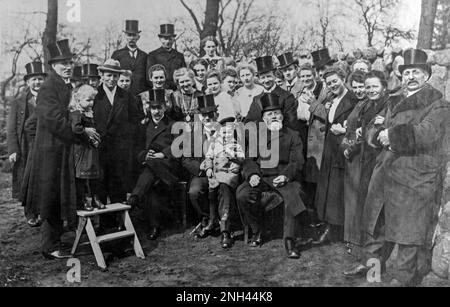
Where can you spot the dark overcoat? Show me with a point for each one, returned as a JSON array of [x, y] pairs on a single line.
[[171, 60], [159, 139], [407, 178], [17, 140], [288, 103], [290, 163], [138, 66], [359, 167], [330, 188], [51, 185], [117, 125]]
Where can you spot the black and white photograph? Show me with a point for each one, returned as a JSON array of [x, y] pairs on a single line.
[[225, 148]]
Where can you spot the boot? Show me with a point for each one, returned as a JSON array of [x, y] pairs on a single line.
[[291, 249], [87, 204], [226, 240], [96, 203]]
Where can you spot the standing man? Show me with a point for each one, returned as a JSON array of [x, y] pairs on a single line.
[[262, 176], [288, 104], [21, 109], [166, 55], [52, 177], [132, 58], [117, 117], [404, 200]]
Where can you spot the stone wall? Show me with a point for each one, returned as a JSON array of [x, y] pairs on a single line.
[[440, 61]]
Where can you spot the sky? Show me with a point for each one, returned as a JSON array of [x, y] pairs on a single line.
[[99, 14]]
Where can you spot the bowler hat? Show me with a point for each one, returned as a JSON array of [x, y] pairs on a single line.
[[34, 69], [76, 74], [321, 58], [415, 58], [287, 60], [59, 51], [157, 97], [264, 64], [132, 27], [270, 102], [167, 30], [111, 66], [90, 70], [206, 104]]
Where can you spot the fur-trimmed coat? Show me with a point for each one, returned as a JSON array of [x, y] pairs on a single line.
[[407, 179]]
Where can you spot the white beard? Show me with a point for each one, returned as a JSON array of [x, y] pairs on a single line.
[[275, 126]]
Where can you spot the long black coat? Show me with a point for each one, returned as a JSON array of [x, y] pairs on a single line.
[[407, 178], [171, 60], [290, 163], [17, 140], [138, 66], [330, 188], [117, 126], [159, 139], [288, 103], [52, 176]]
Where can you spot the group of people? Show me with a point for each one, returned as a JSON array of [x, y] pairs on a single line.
[[350, 148]]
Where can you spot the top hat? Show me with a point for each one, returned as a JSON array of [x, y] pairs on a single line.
[[287, 60], [264, 64], [34, 69], [60, 51], [167, 30], [415, 58], [321, 58], [270, 102], [76, 74], [132, 27], [206, 104], [90, 70], [111, 66], [157, 97]]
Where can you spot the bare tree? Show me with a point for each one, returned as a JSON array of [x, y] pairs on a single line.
[[373, 13], [426, 28], [209, 26], [441, 37]]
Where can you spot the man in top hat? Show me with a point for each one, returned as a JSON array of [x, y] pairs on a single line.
[[90, 75], [116, 115], [161, 169], [262, 175], [288, 103], [51, 186], [322, 60], [166, 55], [404, 192], [19, 145], [201, 137], [132, 58]]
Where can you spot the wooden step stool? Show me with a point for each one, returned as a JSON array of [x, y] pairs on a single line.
[[85, 222]]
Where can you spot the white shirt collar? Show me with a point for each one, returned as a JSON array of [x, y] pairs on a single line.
[[272, 89], [291, 84], [409, 94], [110, 94], [34, 93]]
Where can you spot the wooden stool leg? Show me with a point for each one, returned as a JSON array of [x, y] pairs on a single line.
[[136, 244], [81, 224], [95, 246]]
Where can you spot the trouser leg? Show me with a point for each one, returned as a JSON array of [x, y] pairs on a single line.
[[51, 232], [213, 196], [145, 181], [249, 202], [289, 224], [198, 191], [80, 192], [226, 200], [413, 263]]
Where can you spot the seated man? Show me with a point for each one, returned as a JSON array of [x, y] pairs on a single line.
[[262, 176], [160, 166]]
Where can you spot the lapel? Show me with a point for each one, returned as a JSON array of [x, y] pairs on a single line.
[[347, 104], [118, 104], [153, 133], [297, 89]]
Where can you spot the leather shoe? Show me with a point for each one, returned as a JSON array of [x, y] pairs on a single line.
[[133, 201], [324, 238], [34, 223], [359, 271], [154, 234], [226, 240], [256, 240], [56, 255], [291, 249]]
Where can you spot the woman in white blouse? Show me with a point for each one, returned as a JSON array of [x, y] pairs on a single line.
[[244, 96]]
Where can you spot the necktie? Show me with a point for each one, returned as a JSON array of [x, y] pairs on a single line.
[[133, 53]]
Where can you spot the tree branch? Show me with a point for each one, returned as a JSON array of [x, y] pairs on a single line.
[[191, 12]]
